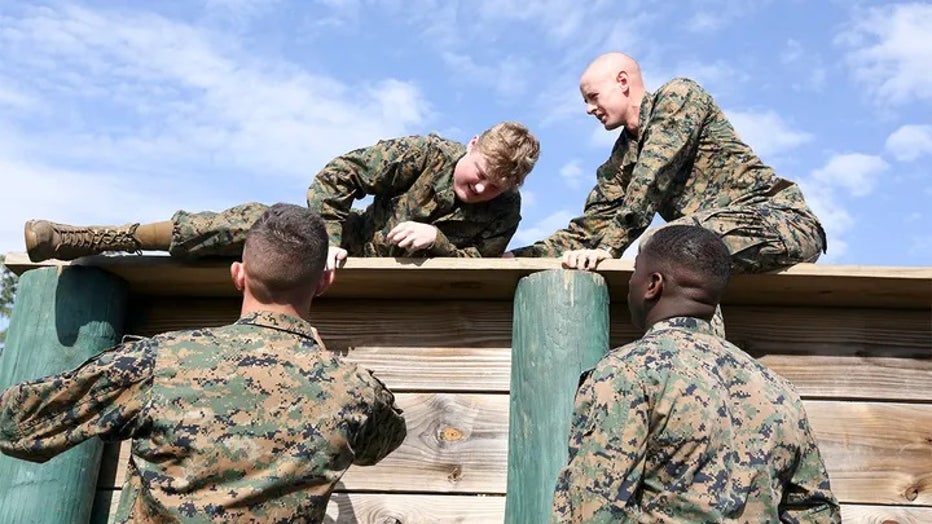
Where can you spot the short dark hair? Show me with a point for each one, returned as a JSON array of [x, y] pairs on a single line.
[[692, 249], [285, 251]]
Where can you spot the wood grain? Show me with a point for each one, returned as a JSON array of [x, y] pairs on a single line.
[[415, 369], [480, 323]]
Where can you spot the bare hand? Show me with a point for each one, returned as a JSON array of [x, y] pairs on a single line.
[[585, 259], [336, 257], [413, 236]]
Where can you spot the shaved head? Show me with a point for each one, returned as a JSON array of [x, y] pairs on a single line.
[[612, 88], [611, 63]]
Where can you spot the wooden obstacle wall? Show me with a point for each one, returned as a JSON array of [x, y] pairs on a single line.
[[857, 342]]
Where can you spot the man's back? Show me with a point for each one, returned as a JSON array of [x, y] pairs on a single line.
[[247, 421], [684, 426]]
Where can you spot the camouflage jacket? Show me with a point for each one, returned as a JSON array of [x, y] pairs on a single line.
[[251, 421], [686, 158], [682, 426], [410, 178]]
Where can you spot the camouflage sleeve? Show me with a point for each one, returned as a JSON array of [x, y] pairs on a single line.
[[607, 447], [669, 142], [808, 496], [586, 231], [384, 428], [103, 397], [490, 241], [387, 168]]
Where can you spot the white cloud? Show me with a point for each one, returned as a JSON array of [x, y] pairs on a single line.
[[572, 174], [910, 142], [193, 96], [891, 52], [528, 234], [806, 67], [766, 132], [129, 116], [508, 76], [855, 172]]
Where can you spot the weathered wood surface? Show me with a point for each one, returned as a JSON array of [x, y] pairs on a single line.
[[409, 369], [480, 323], [382, 508], [876, 453], [857, 514], [456, 278], [560, 330], [61, 318], [416, 369]]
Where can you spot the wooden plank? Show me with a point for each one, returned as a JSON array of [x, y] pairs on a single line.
[[415, 509], [350, 508], [410, 369], [876, 453], [472, 323], [415, 369], [857, 514], [348, 323], [814, 331], [490, 278], [853, 377]]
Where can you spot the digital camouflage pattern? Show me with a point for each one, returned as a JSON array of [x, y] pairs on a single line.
[[689, 165], [682, 426], [410, 178], [248, 422]]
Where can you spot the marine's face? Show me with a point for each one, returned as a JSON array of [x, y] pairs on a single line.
[[471, 181], [605, 96]]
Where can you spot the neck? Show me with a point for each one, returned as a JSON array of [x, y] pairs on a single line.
[[633, 125], [693, 309], [251, 305]]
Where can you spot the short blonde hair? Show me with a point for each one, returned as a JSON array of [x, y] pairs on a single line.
[[511, 152]]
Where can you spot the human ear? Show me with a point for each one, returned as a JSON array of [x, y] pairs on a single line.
[[326, 279], [238, 274], [654, 287]]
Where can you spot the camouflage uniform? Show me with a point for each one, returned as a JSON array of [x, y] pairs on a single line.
[[251, 421], [689, 165], [682, 426], [411, 178]]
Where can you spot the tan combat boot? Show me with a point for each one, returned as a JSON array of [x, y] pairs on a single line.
[[45, 240]]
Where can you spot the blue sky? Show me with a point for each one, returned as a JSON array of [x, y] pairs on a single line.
[[127, 111]]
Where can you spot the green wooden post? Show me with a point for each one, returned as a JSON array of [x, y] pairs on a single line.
[[560, 330], [62, 316]]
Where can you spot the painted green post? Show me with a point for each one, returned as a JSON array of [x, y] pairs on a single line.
[[62, 316], [561, 328]]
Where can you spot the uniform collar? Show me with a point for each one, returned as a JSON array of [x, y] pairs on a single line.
[[683, 323], [452, 153], [281, 322]]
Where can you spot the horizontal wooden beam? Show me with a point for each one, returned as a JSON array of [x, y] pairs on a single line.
[[488, 370], [760, 331], [351, 508], [875, 453], [495, 279]]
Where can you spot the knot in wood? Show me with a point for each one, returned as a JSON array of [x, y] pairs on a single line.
[[450, 434], [456, 473], [389, 520], [912, 493]]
